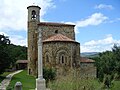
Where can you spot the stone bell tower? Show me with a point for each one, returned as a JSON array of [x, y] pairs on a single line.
[[33, 20]]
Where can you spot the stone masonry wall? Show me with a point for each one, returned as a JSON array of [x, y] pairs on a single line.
[[32, 47], [50, 30], [52, 52], [87, 70]]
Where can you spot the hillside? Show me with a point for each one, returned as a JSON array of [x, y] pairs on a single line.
[[89, 54]]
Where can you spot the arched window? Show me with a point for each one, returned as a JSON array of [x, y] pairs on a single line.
[[33, 14], [62, 59], [56, 31]]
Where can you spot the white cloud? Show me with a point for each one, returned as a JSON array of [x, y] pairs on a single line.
[[18, 40], [3, 33], [94, 19], [99, 45], [104, 6], [108, 40], [114, 20], [69, 23], [13, 15], [14, 12]]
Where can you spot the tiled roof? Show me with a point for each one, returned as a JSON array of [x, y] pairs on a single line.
[[22, 61], [54, 24], [59, 37], [86, 60]]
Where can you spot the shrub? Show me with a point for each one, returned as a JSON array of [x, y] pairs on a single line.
[[49, 74]]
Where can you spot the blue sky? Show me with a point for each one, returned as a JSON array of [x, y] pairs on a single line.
[[97, 21]]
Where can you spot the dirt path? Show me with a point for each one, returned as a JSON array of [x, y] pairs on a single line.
[[6, 81]]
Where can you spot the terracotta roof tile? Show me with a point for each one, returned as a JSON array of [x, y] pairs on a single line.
[[59, 37], [52, 24], [86, 60]]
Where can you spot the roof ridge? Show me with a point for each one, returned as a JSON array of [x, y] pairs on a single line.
[[86, 60], [55, 23]]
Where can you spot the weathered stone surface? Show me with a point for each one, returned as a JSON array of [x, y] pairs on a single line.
[[50, 30], [18, 86], [87, 70], [62, 55], [32, 47], [55, 54], [53, 51], [40, 84]]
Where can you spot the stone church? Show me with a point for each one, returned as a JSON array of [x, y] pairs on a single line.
[[60, 49]]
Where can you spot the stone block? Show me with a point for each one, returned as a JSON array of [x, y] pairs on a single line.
[[18, 86], [40, 84]]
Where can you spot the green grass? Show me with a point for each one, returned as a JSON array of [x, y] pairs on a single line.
[[62, 83], [27, 81], [70, 83], [116, 85], [3, 76], [81, 85]]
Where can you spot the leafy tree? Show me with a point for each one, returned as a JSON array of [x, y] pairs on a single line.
[[10, 53], [116, 53], [17, 53], [4, 39], [103, 64], [4, 56], [108, 63]]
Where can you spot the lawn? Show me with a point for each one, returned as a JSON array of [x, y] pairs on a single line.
[[116, 85], [3, 76], [63, 83], [27, 81]]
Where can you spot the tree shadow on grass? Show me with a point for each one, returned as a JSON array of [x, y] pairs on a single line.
[[15, 79], [2, 78]]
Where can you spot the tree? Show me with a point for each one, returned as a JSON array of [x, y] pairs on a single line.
[[17, 53], [5, 44], [4, 60], [10, 53], [104, 64], [116, 53], [4, 56], [108, 63], [4, 39]]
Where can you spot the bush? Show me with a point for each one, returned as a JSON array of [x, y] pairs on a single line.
[[70, 82], [49, 74]]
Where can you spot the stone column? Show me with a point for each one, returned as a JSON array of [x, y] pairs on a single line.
[[40, 81]]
